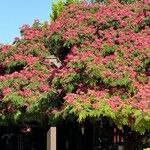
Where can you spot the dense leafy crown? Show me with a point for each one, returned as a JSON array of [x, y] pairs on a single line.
[[23, 75], [104, 49]]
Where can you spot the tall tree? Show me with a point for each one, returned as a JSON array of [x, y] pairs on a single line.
[[104, 52]]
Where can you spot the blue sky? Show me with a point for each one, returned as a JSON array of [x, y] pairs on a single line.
[[15, 13]]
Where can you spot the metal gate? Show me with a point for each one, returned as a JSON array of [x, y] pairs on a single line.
[[107, 136], [99, 135], [14, 138]]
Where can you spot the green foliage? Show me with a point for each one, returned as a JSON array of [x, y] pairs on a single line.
[[128, 1], [17, 116], [97, 1], [58, 6], [15, 66], [55, 43], [108, 50], [143, 24], [15, 98]]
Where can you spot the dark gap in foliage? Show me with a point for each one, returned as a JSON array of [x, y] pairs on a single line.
[[59, 47], [119, 89], [6, 108], [64, 53], [15, 66], [1, 95], [2, 69], [148, 69], [24, 107], [99, 34]]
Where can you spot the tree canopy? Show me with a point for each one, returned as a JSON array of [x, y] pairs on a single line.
[[104, 51]]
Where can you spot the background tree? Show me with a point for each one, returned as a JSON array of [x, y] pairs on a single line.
[[58, 6]]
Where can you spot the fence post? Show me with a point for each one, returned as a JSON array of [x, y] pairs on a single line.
[[120, 147], [51, 139]]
